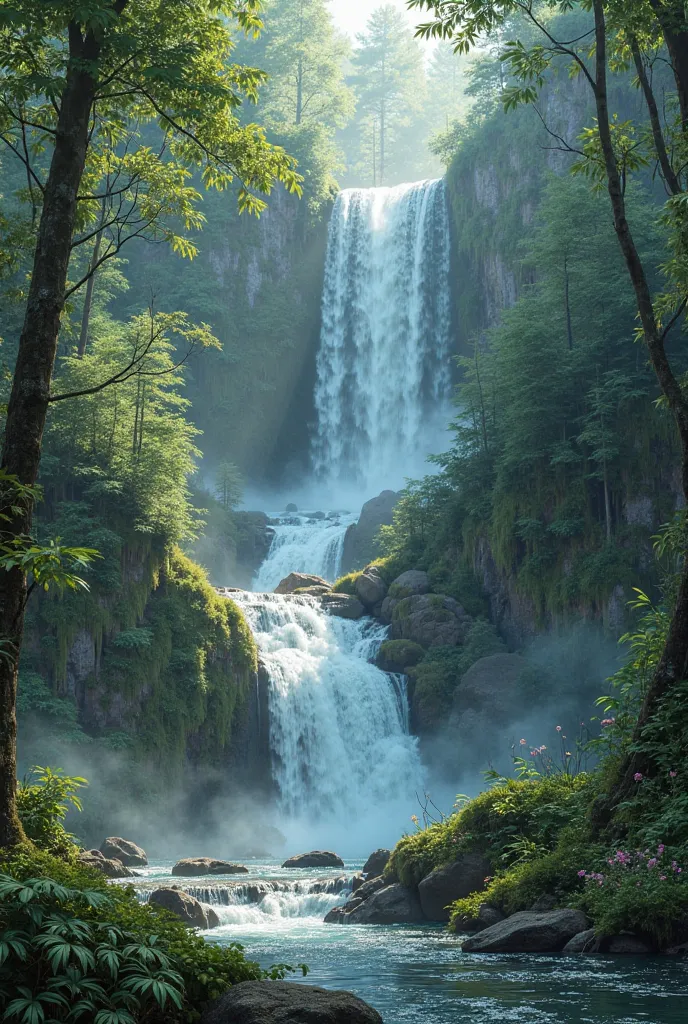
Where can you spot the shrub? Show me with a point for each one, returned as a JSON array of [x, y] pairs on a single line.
[[43, 799]]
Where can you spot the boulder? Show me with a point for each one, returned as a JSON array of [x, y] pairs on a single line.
[[528, 932], [291, 507], [192, 867], [376, 863], [393, 904], [108, 866], [370, 587], [346, 606], [315, 859], [131, 855], [312, 591], [398, 655], [431, 620], [584, 942], [409, 584], [626, 944], [297, 580], [187, 908], [284, 1002], [357, 881], [452, 882], [359, 540], [211, 917], [487, 916], [371, 886], [489, 685]]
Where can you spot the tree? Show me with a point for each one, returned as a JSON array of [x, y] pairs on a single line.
[[78, 82], [623, 33], [390, 85], [228, 486], [446, 75]]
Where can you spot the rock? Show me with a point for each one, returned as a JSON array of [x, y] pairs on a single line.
[[452, 882], [315, 859], [108, 866], [335, 915], [544, 903], [211, 917], [393, 904], [296, 580], [370, 587], [131, 855], [584, 942], [487, 916], [284, 1002], [398, 655], [527, 932], [344, 605], [357, 881], [490, 685], [187, 908], [376, 863], [291, 507], [317, 515], [625, 944], [359, 540], [191, 867], [92, 853], [409, 584], [431, 620], [312, 591], [371, 886]]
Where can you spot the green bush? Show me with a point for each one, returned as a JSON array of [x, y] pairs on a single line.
[[43, 798], [399, 655]]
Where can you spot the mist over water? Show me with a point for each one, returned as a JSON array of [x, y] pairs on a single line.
[[383, 367]]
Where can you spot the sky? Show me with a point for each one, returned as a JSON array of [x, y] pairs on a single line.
[[351, 15]]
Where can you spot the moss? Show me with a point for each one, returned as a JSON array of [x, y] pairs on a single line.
[[399, 655]]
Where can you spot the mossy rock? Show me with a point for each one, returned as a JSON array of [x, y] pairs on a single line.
[[399, 655]]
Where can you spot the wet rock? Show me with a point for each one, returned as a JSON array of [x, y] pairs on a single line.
[[370, 587], [187, 908], [313, 591], [431, 620], [297, 580], [626, 944], [291, 507], [357, 881], [452, 882], [393, 904], [584, 942], [191, 867], [376, 863], [371, 886], [487, 916], [359, 542], [336, 915], [108, 866], [284, 1002], [314, 859], [317, 515], [398, 655], [527, 932], [344, 605], [131, 855]]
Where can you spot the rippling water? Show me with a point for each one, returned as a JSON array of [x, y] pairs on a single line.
[[419, 974]]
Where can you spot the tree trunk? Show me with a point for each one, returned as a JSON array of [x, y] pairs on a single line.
[[88, 298], [672, 19], [673, 664], [567, 301], [28, 403]]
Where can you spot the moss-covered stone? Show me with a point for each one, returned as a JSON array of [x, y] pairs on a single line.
[[399, 655]]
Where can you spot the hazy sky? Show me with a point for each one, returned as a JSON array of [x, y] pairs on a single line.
[[351, 15]]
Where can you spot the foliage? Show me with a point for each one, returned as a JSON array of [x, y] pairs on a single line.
[[43, 799]]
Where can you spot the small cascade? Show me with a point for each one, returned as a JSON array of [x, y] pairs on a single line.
[[338, 725], [383, 366], [304, 544]]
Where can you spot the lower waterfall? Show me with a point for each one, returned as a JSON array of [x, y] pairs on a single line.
[[304, 544], [343, 761]]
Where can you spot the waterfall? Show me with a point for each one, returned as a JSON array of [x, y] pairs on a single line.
[[383, 366], [338, 725], [303, 544]]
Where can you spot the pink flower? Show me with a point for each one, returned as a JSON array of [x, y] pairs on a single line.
[[660, 849], [672, 775], [534, 753], [558, 728], [638, 777], [608, 721], [651, 863], [522, 742], [662, 878]]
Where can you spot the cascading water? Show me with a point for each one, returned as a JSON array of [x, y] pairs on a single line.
[[383, 367], [304, 544], [339, 729]]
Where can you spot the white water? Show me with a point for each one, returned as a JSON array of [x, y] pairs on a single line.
[[345, 766], [383, 367], [302, 545]]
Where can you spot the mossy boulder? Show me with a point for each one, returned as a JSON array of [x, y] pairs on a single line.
[[399, 655], [431, 620]]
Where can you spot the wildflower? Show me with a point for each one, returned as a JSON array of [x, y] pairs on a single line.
[[660, 849], [608, 721], [558, 728], [414, 818], [567, 754], [543, 747], [534, 753], [651, 863], [582, 873], [522, 742], [637, 885], [672, 775], [662, 878], [674, 865], [638, 777]]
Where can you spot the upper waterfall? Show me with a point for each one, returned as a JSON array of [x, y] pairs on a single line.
[[383, 366]]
